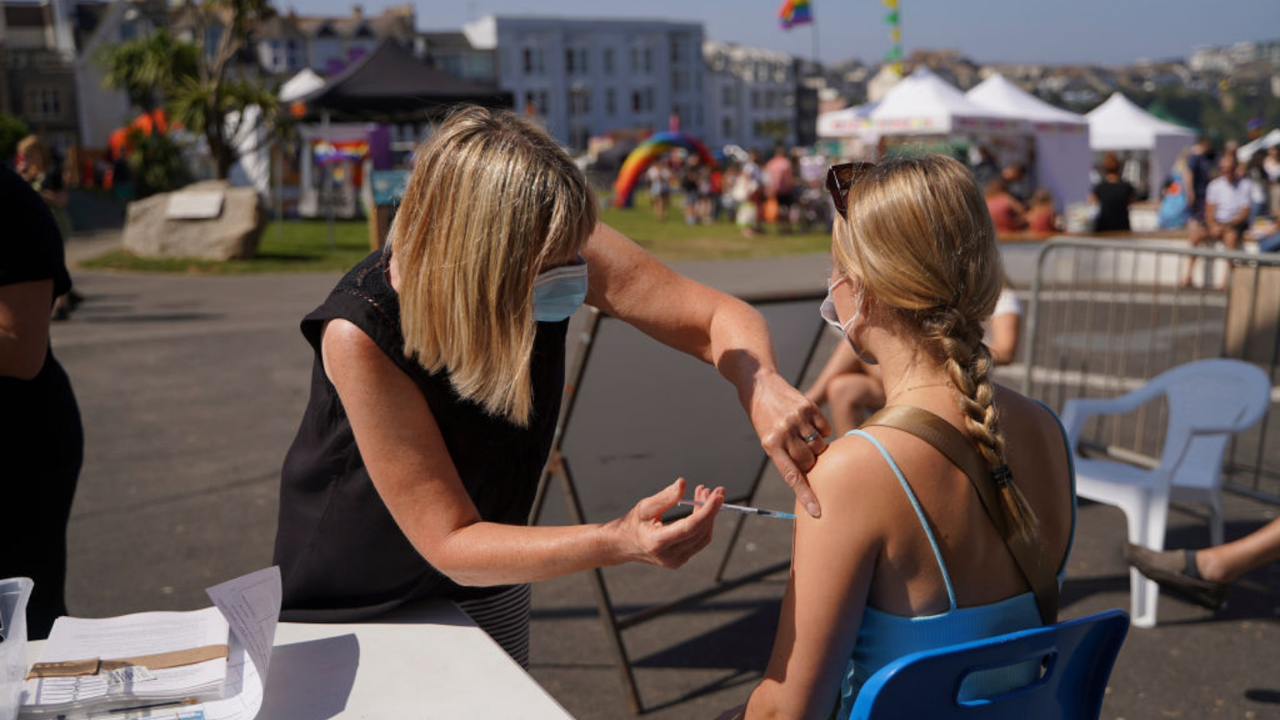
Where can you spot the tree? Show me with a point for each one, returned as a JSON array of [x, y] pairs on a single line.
[[12, 129], [150, 68], [216, 101]]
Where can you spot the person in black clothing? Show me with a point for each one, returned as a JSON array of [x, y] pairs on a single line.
[[1113, 197], [436, 386], [41, 439]]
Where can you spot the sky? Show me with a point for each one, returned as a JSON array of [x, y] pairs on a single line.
[[1100, 32]]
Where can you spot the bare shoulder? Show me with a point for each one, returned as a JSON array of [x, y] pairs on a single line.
[[853, 481], [345, 349]]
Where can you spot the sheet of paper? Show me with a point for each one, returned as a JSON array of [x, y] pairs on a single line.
[[251, 604]]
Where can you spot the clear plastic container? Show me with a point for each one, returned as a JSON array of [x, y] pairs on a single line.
[[13, 649]]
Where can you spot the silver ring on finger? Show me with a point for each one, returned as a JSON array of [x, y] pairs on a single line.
[[811, 437]]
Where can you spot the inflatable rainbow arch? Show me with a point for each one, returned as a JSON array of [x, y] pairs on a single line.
[[643, 156]]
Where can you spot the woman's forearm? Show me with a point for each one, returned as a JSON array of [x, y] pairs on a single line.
[[486, 553]]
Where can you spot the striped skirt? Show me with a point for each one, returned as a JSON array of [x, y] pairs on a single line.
[[505, 617]]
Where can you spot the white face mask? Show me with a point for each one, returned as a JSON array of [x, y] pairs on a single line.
[[828, 312]]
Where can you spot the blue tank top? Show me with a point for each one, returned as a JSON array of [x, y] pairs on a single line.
[[884, 637]]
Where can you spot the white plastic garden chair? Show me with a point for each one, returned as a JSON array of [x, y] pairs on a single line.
[[1208, 401]]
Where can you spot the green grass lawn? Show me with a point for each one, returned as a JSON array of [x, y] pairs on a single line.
[[304, 245]]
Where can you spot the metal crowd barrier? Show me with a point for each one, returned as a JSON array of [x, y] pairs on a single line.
[[1105, 316]]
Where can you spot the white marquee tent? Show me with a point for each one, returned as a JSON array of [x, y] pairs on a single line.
[[850, 122], [1061, 137], [1245, 153], [924, 104], [1119, 125]]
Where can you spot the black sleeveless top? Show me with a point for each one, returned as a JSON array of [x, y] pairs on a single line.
[[342, 556]]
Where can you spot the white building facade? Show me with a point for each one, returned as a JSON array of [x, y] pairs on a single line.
[[751, 96], [589, 77]]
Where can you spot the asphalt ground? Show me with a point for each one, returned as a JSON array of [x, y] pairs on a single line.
[[191, 389]]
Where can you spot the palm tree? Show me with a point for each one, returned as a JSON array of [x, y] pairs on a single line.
[[150, 68]]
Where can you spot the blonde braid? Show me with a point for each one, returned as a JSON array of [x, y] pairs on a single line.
[[968, 362]]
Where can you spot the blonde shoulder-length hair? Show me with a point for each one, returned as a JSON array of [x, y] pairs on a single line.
[[919, 237], [491, 202]]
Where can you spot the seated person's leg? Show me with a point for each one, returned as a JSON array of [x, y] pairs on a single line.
[[853, 397]]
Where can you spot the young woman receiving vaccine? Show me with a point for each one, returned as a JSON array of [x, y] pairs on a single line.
[[439, 367], [908, 554]]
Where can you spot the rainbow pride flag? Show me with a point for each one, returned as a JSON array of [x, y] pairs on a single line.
[[795, 12]]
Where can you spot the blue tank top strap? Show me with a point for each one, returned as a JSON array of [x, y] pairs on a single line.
[[915, 503]]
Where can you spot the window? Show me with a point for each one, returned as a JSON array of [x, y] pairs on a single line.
[[582, 61], [648, 59], [608, 61], [528, 61], [675, 50], [610, 101], [44, 103], [635, 60], [727, 127], [727, 95], [568, 60], [648, 99], [675, 81]]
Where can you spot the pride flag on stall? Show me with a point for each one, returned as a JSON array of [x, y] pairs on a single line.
[[795, 12]]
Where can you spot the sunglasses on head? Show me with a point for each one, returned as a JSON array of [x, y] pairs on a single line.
[[842, 177]]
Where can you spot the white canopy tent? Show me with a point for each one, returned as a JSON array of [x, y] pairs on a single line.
[[1119, 125], [850, 122], [1061, 137], [301, 85], [1246, 151], [924, 104]]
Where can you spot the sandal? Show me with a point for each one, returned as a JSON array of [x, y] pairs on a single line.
[[1175, 571]]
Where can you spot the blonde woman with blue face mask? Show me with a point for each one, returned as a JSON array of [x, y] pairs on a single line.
[[906, 555], [439, 367]]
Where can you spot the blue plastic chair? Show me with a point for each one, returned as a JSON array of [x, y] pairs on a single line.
[[1077, 654]]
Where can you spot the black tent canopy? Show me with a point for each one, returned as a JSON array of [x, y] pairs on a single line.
[[391, 85]]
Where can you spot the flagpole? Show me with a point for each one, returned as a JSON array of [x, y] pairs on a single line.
[[814, 24]]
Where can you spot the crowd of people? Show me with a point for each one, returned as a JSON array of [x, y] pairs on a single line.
[[748, 191]]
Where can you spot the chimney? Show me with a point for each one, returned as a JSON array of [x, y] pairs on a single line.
[[357, 11]]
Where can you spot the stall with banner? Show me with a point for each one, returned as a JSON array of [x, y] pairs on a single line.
[[1062, 155], [924, 113]]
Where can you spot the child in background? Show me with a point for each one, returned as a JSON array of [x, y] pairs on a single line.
[[1041, 218]]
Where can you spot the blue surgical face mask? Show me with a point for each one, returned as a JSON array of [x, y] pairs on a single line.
[[828, 312], [560, 291]]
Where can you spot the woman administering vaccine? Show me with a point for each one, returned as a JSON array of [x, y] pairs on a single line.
[[437, 381]]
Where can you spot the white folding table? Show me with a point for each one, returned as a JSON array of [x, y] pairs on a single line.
[[428, 662]]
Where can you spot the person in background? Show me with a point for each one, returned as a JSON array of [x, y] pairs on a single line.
[[1007, 212], [1259, 185], [1271, 166], [984, 168], [853, 388], [41, 437], [1015, 180], [1200, 164], [780, 184], [1112, 196], [35, 165], [905, 557], [1226, 212], [1041, 217], [690, 180], [1204, 576], [438, 371], [659, 178]]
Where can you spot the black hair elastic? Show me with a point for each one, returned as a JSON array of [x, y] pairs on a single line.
[[1002, 475]]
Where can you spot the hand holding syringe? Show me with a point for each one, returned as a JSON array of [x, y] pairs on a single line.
[[746, 510]]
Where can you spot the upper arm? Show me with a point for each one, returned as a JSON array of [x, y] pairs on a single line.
[[24, 327], [833, 562], [399, 440], [1004, 337], [632, 285]]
